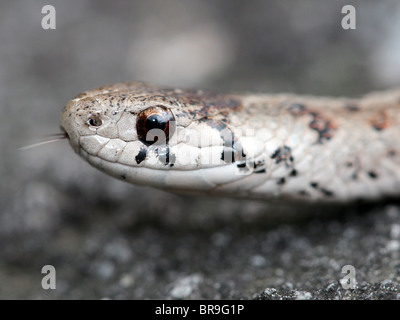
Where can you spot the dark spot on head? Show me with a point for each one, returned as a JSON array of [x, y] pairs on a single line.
[[293, 173], [260, 171], [237, 146], [372, 174], [349, 164], [391, 153], [323, 126], [233, 150], [283, 154], [258, 164], [141, 155], [326, 192], [281, 181], [314, 185], [276, 153], [303, 193], [228, 155], [320, 123], [241, 165]]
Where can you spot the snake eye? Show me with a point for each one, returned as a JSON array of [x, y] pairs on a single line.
[[155, 124], [94, 121]]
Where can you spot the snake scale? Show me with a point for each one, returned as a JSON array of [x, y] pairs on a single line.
[[258, 146]]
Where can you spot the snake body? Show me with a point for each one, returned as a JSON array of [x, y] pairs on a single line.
[[278, 146]]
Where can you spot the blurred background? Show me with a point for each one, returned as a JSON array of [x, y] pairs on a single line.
[[108, 239]]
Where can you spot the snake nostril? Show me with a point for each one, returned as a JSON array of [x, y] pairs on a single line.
[[94, 121]]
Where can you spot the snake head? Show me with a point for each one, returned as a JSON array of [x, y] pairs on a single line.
[[107, 121], [159, 137]]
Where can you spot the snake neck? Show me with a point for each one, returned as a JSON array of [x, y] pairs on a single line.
[[333, 149]]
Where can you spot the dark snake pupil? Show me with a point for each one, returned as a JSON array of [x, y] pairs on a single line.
[[155, 121]]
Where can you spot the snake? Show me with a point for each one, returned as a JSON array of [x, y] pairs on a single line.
[[279, 146]]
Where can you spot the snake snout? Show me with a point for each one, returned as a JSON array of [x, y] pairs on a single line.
[[68, 125]]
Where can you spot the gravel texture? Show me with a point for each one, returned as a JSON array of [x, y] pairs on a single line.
[[108, 239]]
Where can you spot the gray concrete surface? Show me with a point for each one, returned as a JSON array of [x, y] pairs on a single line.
[[108, 239]]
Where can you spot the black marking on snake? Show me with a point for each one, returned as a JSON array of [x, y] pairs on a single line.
[[123, 176], [293, 173], [241, 164], [303, 193], [237, 146], [141, 155], [283, 154], [232, 149], [324, 191], [281, 181], [165, 156], [244, 165], [319, 123], [372, 174], [228, 152], [233, 154], [228, 155], [257, 165], [260, 171], [323, 127]]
